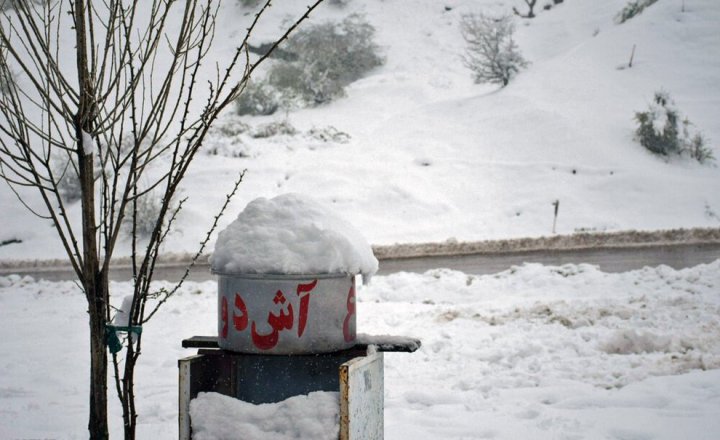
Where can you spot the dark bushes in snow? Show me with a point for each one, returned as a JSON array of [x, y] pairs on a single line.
[[530, 13], [662, 131], [259, 98], [326, 58], [632, 9]]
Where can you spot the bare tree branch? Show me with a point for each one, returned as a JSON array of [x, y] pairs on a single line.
[[125, 116]]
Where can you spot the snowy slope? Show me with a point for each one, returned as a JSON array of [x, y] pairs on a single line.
[[433, 156]]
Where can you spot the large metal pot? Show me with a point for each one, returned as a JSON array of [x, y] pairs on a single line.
[[286, 314]]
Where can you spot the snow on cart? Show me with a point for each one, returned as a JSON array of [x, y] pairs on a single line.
[[287, 361]]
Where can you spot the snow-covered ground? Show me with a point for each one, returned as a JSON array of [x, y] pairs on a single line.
[[536, 352], [432, 156]]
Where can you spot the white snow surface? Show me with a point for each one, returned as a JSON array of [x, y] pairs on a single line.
[[122, 315], [534, 352], [313, 416], [88, 143], [432, 156], [291, 234]]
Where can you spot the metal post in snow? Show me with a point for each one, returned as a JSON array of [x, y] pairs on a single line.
[[556, 204]]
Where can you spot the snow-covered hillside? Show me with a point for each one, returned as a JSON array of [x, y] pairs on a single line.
[[431, 155]]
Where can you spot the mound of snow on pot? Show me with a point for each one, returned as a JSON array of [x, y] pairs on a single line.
[[291, 234], [314, 416]]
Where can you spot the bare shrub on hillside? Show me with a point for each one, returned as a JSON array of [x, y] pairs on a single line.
[[68, 180], [275, 128], [259, 98], [12, 4], [491, 52], [330, 57], [530, 13], [632, 9], [329, 134], [659, 131], [696, 146], [145, 212], [325, 59], [249, 3]]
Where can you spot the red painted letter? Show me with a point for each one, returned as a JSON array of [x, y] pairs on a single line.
[[224, 313], [240, 322], [303, 291], [348, 332], [264, 342]]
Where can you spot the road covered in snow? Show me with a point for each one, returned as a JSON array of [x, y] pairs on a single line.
[[541, 352]]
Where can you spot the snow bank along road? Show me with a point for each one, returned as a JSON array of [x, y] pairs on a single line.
[[534, 352], [677, 256], [612, 252]]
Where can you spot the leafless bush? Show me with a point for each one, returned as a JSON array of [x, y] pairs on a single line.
[[660, 131], [329, 134], [249, 3], [320, 61], [632, 9], [259, 98], [274, 128], [143, 216], [491, 52], [12, 4], [330, 56], [68, 180], [530, 13]]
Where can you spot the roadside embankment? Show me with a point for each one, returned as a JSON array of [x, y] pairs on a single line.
[[556, 243], [584, 240]]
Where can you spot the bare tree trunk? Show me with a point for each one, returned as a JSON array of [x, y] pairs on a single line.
[[531, 5], [97, 425], [530, 13], [129, 411], [86, 129], [96, 286], [96, 292]]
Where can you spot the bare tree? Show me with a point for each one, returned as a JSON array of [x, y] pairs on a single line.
[[119, 110], [491, 52], [531, 5]]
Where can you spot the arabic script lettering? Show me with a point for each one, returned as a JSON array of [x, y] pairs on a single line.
[[278, 322]]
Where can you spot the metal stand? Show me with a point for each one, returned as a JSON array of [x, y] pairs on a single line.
[[357, 373]]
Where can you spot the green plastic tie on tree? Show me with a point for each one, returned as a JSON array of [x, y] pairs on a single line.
[[111, 337], [112, 340], [137, 329]]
